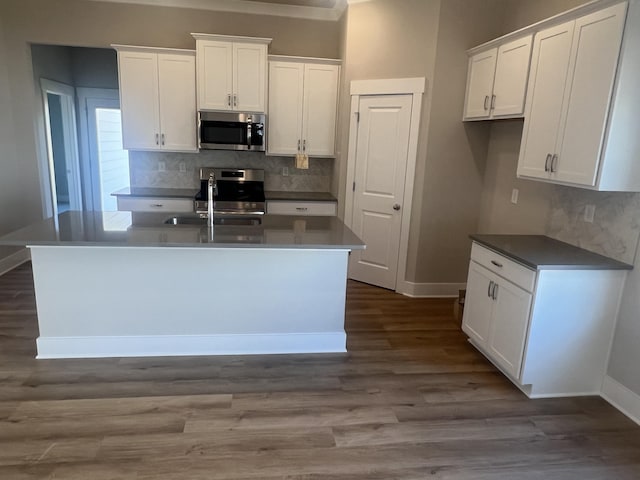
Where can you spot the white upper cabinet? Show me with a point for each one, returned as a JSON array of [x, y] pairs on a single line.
[[232, 72], [497, 81], [581, 100], [303, 99], [157, 98]]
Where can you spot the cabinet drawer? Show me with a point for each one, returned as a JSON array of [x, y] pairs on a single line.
[[155, 204], [501, 265], [283, 207]]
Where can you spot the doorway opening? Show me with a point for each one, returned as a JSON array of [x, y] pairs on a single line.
[[62, 146]]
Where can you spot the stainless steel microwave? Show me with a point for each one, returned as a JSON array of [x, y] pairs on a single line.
[[232, 131]]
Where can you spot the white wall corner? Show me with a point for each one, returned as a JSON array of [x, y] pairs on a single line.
[[14, 260], [625, 400], [430, 290]]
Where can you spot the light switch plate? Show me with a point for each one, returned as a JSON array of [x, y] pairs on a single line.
[[514, 195], [285, 171], [589, 213], [183, 167]]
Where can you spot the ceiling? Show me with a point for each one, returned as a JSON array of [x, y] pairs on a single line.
[[312, 9]]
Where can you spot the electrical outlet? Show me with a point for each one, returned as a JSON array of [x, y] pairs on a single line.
[[183, 167], [162, 167], [589, 213], [514, 196], [285, 171]]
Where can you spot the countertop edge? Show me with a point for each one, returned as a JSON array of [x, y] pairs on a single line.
[[611, 264]]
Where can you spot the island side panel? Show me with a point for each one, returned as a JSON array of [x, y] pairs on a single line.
[[121, 301]]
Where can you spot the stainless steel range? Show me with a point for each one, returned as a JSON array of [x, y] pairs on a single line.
[[239, 193]]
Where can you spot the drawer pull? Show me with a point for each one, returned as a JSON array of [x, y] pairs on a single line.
[[157, 205], [490, 289], [497, 264], [302, 209]]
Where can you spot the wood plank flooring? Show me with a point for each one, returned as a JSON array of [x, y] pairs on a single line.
[[411, 400]]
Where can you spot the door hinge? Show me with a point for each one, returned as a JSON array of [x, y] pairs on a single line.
[[358, 117], [354, 186]]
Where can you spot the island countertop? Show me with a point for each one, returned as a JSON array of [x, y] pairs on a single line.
[[540, 252], [116, 229]]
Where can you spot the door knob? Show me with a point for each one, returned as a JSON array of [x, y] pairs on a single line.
[[396, 206]]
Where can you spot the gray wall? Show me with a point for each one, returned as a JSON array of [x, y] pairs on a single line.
[[558, 211], [427, 38], [12, 176]]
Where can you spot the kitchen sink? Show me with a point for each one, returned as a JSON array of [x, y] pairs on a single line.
[[198, 221]]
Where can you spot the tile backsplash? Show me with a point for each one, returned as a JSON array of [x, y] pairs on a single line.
[[616, 226], [145, 172]]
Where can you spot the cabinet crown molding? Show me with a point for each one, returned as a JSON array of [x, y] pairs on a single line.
[[231, 38], [289, 58], [585, 9], [139, 48]]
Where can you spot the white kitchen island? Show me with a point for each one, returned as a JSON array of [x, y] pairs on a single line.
[[153, 289]]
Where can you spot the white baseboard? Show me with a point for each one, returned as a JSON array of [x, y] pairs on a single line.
[[429, 290], [172, 345], [622, 398], [14, 260]]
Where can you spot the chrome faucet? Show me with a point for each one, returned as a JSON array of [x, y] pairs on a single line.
[[211, 192]]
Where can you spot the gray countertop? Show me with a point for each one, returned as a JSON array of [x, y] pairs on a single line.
[[115, 229], [300, 196], [541, 252], [156, 192]]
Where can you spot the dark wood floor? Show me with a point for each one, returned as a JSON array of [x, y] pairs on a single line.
[[411, 400]]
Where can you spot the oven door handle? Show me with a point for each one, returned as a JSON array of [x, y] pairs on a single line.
[[238, 213], [249, 134]]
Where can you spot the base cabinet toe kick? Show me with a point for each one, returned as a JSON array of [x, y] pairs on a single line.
[[549, 330]]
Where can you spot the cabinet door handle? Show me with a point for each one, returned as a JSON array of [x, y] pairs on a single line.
[[493, 102], [486, 100], [298, 144], [546, 162], [163, 139], [494, 292], [157, 143], [229, 100], [304, 145], [554, 162], [235, 100], [497, 264], [490, 289]]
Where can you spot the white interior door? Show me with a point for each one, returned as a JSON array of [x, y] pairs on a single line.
[[62, 163], [380, 167]]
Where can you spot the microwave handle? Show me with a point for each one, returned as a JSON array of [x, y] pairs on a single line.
[[249, 134]]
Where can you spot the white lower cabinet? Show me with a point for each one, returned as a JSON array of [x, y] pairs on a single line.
[[288, 207], [496, 316], [155, 204], [548, 330]]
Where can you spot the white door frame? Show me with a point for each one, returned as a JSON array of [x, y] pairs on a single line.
[[67, 98], [395, 86], [87, 148]]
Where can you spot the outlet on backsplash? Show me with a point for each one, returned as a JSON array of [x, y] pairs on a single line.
[[589, 213], [183, 167], [162, 167]]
